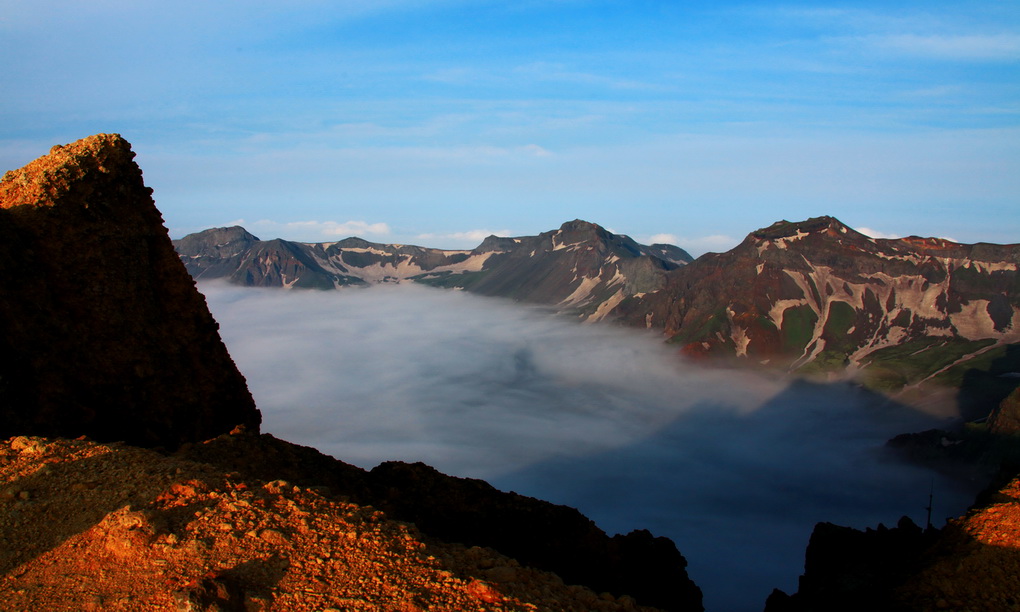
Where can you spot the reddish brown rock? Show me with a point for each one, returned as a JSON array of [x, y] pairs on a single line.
[[102, 332], [114, 527]]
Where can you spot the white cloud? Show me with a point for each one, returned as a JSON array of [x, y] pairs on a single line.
[[466, 238], [715, 243], [536, 150], [697, 245], [302, 230], [663, 239], [867, 231]]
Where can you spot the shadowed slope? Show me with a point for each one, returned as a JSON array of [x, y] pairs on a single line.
[[102, 332]]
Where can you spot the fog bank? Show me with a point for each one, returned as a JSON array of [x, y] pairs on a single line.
[[736, 468]]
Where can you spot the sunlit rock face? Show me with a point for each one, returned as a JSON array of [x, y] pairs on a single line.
[[536, 533], [817, 296], [102, 332]]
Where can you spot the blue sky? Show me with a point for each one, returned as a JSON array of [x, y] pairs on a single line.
[[437, 122]]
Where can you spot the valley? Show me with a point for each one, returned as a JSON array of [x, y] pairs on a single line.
[[733, 466], [907, 317], [723, 401]]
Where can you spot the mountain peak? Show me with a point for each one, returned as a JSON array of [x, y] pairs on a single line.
[[579, 224], [790, 229], [573, 232], [70, 173], [495, 243], [219, 241]]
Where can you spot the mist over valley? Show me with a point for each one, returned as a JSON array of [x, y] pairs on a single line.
[[736, 467]]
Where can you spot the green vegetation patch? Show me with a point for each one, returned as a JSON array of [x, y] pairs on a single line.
[[714, 323], [990, 361], [766, 323], [894, 367], [798, 327], [841, 318], [825, 362]]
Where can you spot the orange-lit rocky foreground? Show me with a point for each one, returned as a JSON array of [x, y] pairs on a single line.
[[86, 526], [977, 563]]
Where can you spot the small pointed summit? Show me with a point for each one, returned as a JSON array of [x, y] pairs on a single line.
[[577, 230], [71, 174], [578, 224], [786, 229], [495, 243]]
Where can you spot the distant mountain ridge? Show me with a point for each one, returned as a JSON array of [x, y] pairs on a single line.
[[818, 296], [581, 267], [813, 296]]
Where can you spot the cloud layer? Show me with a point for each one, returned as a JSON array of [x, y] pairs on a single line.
[[734, 467]]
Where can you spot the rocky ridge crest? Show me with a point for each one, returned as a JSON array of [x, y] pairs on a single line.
[[580, 268], [99, 321]]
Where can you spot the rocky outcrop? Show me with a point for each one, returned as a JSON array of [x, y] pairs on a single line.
[[93, 527], [537, 533], [849, 570], [973, 563], [102, 332]]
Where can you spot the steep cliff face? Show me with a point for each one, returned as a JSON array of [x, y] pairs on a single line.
[[102, 332]]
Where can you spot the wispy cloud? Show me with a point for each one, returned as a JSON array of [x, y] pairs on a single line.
[[310, 229], [465, 238], [715, 243], [867, 231], [662, 239], [697, 245], [938, 35], [556, 72], [963, 47], [456, 76]]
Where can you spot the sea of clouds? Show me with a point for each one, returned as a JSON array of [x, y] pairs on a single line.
[[736, 467]]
